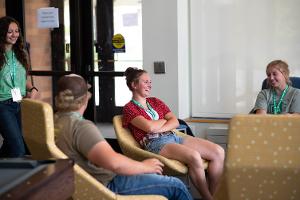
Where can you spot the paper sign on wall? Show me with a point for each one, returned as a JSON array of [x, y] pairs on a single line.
[[47, 17]]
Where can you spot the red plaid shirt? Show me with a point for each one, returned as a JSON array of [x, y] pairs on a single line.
[[131, 111]]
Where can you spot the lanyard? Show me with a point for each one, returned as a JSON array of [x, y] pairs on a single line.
[[13, 64], [277, 109], [151, 112]]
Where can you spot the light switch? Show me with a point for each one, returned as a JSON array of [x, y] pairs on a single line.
[[159, 67]]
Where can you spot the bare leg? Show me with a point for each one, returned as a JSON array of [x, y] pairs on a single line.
[[194, 161], [213, 153]]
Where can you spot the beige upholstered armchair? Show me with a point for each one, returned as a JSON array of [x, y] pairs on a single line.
[[132, 149], [263, 158], [38, 130]]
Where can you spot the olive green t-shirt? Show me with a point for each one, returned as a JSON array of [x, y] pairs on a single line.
[[6, 81], [76, 137]]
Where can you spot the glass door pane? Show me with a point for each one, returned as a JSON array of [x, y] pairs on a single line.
[[128, 23], [111, 17]]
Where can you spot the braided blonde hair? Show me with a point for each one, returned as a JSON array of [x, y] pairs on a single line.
[[72, 93], [66, 102]]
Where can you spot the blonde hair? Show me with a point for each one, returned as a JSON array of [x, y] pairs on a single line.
[[72, 93], [282, 67], [66, 102]]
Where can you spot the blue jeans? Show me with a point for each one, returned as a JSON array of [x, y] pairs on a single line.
[[155, 145], [170, 187], [11, 129]]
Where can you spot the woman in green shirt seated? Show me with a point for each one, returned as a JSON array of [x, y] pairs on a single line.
[[280, 97]]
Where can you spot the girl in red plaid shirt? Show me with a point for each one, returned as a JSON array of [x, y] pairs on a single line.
[[151, 123]]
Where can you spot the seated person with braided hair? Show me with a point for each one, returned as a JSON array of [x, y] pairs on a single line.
[[81, 140]]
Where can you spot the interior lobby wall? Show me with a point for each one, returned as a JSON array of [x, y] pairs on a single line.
[[40, 48], [2, 8]]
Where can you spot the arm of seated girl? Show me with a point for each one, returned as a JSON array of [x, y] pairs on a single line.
[[149, 126], [172, 123]]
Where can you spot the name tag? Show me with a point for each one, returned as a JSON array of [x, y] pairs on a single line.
[[16, 94]]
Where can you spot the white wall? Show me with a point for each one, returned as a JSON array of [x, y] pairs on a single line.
[[184, 81], [227, 43], [160, 43], [166, 38], [232, 41]]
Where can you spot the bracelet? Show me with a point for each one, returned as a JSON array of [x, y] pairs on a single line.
[[33, 88]]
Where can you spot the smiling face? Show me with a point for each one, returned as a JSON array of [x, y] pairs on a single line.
[[143, 86], [12, 34], [276, 79]]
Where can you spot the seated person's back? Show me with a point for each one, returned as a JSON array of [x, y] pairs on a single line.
[[82, 141], [76, 136]]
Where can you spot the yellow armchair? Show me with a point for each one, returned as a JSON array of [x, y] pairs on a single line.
[[132, 149], [38, 130], [263, 158]]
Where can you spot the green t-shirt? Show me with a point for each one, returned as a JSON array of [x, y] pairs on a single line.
[[76, 137], [6, 73]]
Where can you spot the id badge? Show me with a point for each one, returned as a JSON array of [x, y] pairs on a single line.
[[16, 94]]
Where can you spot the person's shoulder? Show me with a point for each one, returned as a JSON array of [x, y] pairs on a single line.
[[266, 91], [86, 127], [294, 91], [85, 123], [154, 100], [74, 120], [128, 105]]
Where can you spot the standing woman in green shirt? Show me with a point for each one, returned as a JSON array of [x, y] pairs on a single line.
[[13, 84]]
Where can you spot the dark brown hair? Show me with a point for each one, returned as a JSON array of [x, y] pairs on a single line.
[[132, 75], [18, 47]]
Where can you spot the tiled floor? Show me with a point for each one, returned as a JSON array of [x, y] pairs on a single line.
[[107, 130]]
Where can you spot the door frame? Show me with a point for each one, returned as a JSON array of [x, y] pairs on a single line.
[[82, 55]]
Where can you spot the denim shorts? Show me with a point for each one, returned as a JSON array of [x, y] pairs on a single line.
[[154, 145]]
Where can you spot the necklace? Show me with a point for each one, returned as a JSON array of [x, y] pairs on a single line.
[[72, 114], [277, 108], [78, 115], [150, 111]]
